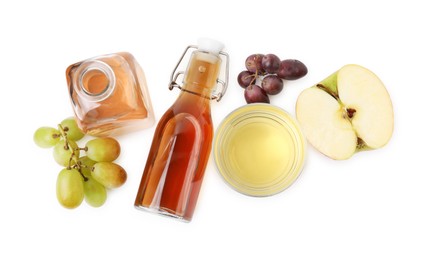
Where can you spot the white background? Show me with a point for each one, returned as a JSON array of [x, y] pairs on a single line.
[[376, 205]]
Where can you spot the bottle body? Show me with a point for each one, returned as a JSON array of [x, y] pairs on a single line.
[[177, 161], [181, 145], [109, 95]]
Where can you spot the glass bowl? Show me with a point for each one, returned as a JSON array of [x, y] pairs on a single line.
[[259, 149]]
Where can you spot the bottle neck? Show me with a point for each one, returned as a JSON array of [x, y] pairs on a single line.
[[94, 80], [202, 74]]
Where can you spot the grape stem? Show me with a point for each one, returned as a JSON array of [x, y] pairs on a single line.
[[73, 163], [255, 76], [79, 167], [63, 131], [83, 176]]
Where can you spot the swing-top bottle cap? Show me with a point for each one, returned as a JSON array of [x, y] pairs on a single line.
[[210, 45]]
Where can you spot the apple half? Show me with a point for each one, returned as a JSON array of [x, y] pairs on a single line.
[[349, 111]]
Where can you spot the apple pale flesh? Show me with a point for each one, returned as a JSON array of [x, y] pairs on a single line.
[[347, 112], [323, 125], [364, 91]]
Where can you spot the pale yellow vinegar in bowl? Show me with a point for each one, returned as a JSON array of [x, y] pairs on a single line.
[[259, 149]]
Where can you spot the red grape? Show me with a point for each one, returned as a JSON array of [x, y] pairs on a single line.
[[272, 84], [271, 63], [255, 94], [253, 63], [245, 78], [291, 69]]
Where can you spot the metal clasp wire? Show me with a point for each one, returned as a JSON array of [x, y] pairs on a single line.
[[216, 95]]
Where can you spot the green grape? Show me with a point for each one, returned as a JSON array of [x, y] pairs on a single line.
[[95, 193], [104, 149], [46, 137], [73, 133], [111, 175], [69, 188], [87, 165], [62, 154]]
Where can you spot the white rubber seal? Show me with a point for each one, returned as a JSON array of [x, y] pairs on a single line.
[[210, 45]]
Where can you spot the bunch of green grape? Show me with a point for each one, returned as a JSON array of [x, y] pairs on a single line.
[[83, 177]]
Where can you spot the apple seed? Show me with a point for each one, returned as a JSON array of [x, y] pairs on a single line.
[[351, 112]]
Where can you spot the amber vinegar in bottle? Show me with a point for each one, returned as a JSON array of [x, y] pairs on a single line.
[[109, 95], [182, 141]]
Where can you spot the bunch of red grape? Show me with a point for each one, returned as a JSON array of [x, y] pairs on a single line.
[[270, 71]]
